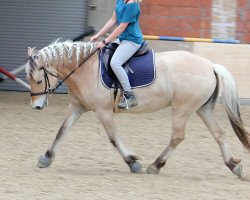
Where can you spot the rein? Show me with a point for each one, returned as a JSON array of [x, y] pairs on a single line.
[[47, 89]]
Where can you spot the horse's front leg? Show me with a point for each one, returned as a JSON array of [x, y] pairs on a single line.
[[73, 113], [107, 120]]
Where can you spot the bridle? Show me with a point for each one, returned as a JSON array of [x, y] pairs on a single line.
[[48, 89]]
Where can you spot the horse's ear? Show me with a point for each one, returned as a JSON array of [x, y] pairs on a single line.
[[29, 51]]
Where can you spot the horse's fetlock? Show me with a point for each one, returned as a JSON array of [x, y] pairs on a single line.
[[133, 163], [159, 163], [49, 154], [232, 163], [130, 159]]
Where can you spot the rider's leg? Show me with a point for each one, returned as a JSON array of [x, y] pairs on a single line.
[[125, 50]]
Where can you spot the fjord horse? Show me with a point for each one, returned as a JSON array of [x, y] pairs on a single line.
[[186, 82]]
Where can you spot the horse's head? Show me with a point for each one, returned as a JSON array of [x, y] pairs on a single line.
[[41, 76], [42, 66]]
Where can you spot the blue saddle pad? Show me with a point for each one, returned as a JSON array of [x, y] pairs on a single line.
[[143, 68]]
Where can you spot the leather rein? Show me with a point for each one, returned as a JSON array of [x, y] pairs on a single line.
[[48, 89]]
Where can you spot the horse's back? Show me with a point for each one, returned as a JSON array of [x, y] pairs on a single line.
[[192, 62]]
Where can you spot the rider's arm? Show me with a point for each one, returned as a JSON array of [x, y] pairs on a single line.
[[118, 31], [110, 24]]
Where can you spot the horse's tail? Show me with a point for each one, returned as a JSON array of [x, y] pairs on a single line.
[[230, 99]]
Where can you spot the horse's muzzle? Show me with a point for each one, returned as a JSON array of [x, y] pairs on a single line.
[[40, 103]]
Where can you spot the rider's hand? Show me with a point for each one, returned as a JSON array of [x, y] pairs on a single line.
[[100, 45], [94, 38]]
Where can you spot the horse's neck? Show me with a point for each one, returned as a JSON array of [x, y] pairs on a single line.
[[82, 84], [84, 74], [67, 66]]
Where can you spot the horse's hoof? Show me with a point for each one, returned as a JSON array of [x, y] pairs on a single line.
[[238, 170], [152, 169], [44, 161], [135, 166]]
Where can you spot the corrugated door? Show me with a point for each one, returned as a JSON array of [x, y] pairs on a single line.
[[32, 23]]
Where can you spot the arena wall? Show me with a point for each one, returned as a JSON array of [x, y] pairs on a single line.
[[243, 21], [187, 18], [226, 19]]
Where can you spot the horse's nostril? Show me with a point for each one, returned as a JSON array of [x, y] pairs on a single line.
[[39, 107]]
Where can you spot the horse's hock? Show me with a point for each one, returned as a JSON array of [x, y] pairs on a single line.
[[234, 56]]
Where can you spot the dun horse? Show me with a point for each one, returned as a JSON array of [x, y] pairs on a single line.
[[186, 82]]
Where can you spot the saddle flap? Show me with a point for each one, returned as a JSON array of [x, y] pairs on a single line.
[[142, 72]]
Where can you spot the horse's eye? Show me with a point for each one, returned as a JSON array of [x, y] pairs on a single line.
[[35, 57], [39, 82]]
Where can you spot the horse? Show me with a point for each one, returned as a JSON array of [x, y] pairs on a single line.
[[185, 81]]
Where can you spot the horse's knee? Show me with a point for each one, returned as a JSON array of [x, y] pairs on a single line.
[[177, 140], [220, 136]]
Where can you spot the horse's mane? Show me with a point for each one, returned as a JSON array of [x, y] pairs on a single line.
[[66, 53]]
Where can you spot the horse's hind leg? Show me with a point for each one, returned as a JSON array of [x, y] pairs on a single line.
[[179, 121], [73, 113], [207, 115], [106, 118]]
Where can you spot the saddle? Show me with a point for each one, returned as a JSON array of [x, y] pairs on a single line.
[[108, 52], [140, 69]]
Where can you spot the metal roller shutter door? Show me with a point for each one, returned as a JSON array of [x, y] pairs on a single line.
[[32, 23]]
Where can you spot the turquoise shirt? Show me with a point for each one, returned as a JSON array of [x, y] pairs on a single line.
[[130, 13]]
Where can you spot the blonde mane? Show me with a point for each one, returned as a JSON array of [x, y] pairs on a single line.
[[59, 54], [65, 53]]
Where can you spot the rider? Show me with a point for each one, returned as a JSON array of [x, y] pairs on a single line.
[[129, 37]]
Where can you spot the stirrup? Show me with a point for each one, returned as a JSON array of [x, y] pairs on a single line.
[[128, 100]]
